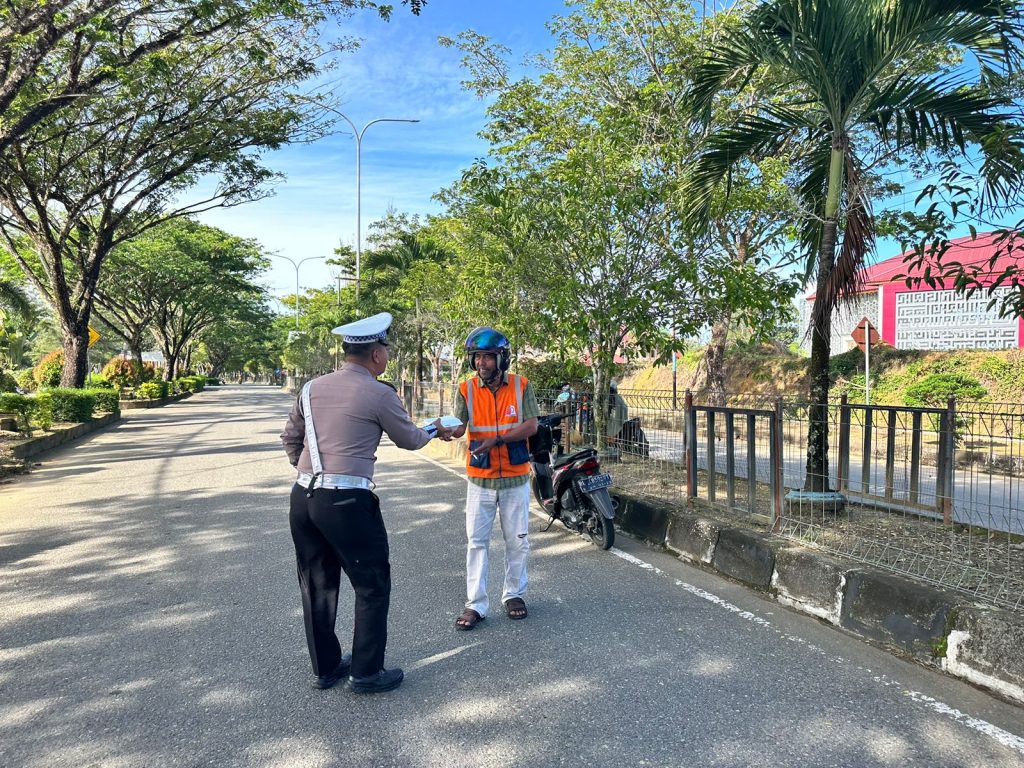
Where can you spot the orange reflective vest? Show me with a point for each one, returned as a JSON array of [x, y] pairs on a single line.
[[492, 414]]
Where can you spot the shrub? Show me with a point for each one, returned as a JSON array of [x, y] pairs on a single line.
[[72, 404], [26, 381], [22, 406], [43, 413], [151, 390], [935, 390], [107, 400], [97, 381], [189, 384], [48, 371], [121, 372], [7, 382]]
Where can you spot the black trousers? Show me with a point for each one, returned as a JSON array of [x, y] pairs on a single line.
[[333, 531]]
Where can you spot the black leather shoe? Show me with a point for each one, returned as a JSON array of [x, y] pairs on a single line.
[[340, 672], [385, 680]]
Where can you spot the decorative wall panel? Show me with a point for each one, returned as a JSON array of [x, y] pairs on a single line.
[[947, 320]]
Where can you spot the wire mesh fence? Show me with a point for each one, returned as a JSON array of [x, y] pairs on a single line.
[[935, 493]]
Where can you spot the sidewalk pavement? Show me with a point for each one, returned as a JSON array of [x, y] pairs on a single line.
[[938, 628]]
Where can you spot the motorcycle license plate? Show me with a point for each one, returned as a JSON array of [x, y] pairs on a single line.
[[594, 482]]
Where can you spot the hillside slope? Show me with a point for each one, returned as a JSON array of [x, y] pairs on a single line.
[[768, 371]]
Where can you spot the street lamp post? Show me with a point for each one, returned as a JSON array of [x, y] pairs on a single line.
[[297, 265], [358, 133]]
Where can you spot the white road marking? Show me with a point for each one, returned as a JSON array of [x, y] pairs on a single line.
[[984, 727], [439, 656]]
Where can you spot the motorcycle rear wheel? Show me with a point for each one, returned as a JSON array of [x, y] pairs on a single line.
[[600, 530]]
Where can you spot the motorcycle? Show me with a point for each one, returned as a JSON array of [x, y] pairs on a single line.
[[571, 488]]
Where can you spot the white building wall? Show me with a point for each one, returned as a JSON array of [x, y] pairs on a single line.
[[844, 320]]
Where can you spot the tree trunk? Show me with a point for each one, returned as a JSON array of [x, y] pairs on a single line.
[[135, 348], [714, 356], [816, 479], [714, 360], [75, 343]]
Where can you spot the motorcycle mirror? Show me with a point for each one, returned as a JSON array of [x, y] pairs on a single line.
[[562, 398]]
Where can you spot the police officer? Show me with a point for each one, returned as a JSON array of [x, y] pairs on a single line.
[[331, 438]]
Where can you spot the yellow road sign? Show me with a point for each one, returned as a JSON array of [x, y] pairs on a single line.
[[93, 337]]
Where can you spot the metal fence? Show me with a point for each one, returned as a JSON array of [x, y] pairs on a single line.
[[935, 493]]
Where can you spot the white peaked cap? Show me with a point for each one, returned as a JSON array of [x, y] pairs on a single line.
[[366, 330]]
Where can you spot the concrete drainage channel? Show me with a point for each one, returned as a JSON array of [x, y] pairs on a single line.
[[940, 629]]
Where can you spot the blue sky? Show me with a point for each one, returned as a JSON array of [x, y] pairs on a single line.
[[400, 71]]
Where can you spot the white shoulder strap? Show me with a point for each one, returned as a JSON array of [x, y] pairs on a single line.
[[314, 451]]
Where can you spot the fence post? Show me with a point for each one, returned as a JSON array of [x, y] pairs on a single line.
[[890, 454], [712, 469], [690, 441], [730, 459], [915, 457], [947, 462], [751, 464], [776, 463], [844, 445]]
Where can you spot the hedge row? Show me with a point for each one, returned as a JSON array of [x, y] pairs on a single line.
[[43, 408]]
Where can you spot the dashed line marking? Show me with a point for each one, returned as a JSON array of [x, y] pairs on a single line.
[[984, 727]]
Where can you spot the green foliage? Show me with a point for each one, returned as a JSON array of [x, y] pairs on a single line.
[[552, 373], [7, 382], [935, 390], [75, 405], [22, 406], [151, 390], [123, 372], [42, 415], [48, 371], [106, 400], [26, 380], [189, 384]]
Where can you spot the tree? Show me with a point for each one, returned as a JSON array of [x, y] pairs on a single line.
[[60, 52], [580, 201], [192, 276], [102, 171], [861, 98]]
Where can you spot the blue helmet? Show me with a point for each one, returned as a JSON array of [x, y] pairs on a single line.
[[485, 339]]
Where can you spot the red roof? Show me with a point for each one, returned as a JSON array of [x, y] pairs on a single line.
[[964, 250]]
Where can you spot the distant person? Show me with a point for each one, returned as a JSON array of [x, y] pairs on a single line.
[[500, 411], [331, 437]]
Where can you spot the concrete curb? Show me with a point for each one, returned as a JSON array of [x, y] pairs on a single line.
[[937, 628], [35, 445], [134, 405]]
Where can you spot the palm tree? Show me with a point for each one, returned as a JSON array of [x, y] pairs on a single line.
[[862, 82], [387, 266], [13, 297]]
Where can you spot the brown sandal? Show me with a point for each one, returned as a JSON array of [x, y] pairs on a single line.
[[468, 620], [515, 608]]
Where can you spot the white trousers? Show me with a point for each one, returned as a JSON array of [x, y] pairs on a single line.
[[513, 508]]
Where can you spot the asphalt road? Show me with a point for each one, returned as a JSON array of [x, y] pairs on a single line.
[[149, 616]]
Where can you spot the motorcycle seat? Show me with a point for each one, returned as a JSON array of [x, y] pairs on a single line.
[[563, 460]]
